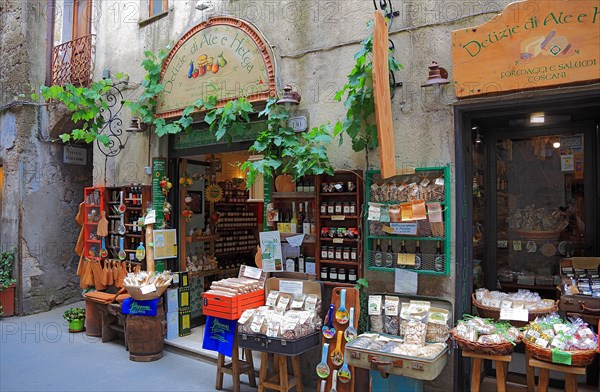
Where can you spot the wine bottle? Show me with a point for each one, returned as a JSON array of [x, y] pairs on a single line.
[[418, 255], [378, 257], [294, 219], [300, 212], [305, 221], [389, 255], [438, 260], [301, 263], [313, 226]]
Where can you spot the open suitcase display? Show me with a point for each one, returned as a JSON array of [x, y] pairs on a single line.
[[586, 307], [413, 367]]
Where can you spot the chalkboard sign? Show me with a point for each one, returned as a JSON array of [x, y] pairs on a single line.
[[159, 167]]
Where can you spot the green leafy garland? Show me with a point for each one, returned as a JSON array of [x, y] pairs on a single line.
[[360, 101]]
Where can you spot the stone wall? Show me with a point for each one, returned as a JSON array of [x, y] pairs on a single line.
[[41, 194]]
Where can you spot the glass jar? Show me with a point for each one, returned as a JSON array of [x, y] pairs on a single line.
[[338, 208], [323, 252], [350, 186], [346, 253], [352, 276], [338, 253], [330, 208], [352, 208], [342, 275], [346, 208], [323, 208], [331, 253], [323, 273], [333, 275], [353, 255]]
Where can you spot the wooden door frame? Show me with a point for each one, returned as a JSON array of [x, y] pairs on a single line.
[[465, 113]]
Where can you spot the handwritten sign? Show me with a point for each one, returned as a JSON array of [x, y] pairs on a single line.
[[404, 228], [223, 57], [291, 286], [532, 44], [159, 167], [514, 314]]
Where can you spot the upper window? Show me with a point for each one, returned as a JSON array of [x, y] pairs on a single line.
[[157, 7]]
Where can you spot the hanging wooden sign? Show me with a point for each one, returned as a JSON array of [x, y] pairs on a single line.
[[532, 44], [383, 101], [222, 56]]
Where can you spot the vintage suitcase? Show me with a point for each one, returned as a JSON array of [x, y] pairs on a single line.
[[413, 367], [585, 306]]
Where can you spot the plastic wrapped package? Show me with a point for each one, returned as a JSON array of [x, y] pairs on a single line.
[[375, 313]]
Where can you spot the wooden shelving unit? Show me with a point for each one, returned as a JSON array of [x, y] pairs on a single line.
[[340, 194], [94, 206]]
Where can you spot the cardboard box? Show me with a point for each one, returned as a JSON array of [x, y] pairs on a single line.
[[185, 321], [184, 297], [171, 301], [172, 325]]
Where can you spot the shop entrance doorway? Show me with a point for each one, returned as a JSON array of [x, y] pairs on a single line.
[[529, 192]]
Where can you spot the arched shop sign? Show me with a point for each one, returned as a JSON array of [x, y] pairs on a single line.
[[222, 56], [531, 44]]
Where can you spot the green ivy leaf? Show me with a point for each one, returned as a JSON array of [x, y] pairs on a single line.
[[104, 140]]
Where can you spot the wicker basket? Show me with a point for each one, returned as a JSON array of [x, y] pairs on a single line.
[[484, 349], [494, 313], [136, 293], [578, 358]]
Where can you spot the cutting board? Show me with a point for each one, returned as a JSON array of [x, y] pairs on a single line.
[[383, 101], [352, 300]]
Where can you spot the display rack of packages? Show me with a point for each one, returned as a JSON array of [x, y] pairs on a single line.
[[580, 288], [408, 336], [407, 221], [94, 208]]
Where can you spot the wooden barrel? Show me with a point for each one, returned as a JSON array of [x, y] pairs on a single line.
[[93, 319], [145, 336]]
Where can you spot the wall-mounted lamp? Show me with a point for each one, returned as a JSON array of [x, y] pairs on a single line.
[[437, 75], [135, 126], [290, 97], [556, 144]]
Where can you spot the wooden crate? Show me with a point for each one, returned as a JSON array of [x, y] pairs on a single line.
[[231, 308]]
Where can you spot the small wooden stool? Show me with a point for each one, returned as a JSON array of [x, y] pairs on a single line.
[[571, 373], [502, 362], [281, 381], [236, 367]]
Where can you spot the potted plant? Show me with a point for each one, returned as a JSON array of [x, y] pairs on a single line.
[[76, 318], [7, 283]]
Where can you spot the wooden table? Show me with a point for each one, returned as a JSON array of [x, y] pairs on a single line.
[[502, 362], [236, 367], [281, 380]]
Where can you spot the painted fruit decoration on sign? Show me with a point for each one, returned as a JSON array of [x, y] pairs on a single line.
[[205, 64]]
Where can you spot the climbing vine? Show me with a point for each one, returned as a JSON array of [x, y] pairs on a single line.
[[359, 124]]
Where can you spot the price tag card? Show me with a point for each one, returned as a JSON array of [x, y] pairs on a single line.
[[291, 286], [338, 217], [150, 218], [516, 245], [338, 240], [385, 213], [434, 210], [374, 212], [418, 210], [149, 288], [562, 357], [404, 228], [514, 314], [295, 240], [252, 272], [406, 211], [406, 259], [387, 229]]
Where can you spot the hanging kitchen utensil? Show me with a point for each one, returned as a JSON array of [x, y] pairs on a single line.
[[344, 374], [122, 274], [103, 251], [322, 367], [104, 277], [337, 357], [334, 382], [328, 329], [122, 207], [122, 253], [121, 228], [97, 273], [341, 315], [102, 230], [350, 332], [115, 269]]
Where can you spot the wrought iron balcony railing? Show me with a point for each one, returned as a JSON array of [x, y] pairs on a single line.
[[73, 62]]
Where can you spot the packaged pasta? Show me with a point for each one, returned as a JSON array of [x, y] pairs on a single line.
[[391, 319], [375, 313]]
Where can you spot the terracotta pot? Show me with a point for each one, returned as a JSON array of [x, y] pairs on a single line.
[[285, 183], [7, 300]]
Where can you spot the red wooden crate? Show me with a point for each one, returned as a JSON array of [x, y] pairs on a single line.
[[231, 308]]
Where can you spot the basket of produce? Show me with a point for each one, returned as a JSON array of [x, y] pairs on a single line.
[[552, 339], [485, 336], [144, 286], [489, 303]]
